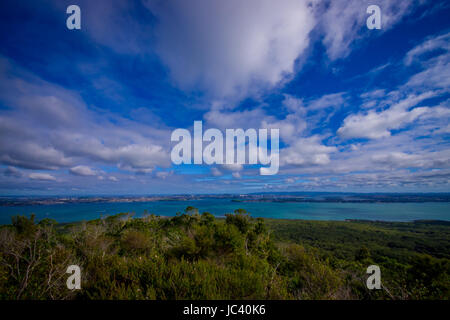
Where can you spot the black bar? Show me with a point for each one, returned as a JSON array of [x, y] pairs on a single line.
[[225, 309]]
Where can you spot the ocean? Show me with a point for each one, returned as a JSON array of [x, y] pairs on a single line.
[[219, 207]]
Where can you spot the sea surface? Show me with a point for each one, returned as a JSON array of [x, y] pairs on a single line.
[[219, 207]]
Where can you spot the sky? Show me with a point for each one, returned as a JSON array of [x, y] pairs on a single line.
[[91, 111]]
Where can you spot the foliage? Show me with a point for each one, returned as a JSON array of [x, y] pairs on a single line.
[[196, 256]]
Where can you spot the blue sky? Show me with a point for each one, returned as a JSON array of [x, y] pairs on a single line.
[[91, 111]]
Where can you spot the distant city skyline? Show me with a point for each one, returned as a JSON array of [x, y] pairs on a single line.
[[91, 111]]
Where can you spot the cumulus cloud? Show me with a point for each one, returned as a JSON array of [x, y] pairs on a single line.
[[230, 50], [301, 149], [82, 171], [375, 125], [289, 127], [41, 176], [307, 152], [235, 48], [49, 127], [400, 151], [231, 47], [398, 109], [28, 154], [301, 115]]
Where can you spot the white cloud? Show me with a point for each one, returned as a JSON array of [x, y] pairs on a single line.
[[378, 93], [438, 43], [216, 172], [41, 176], [306, 152], [231, 48], [345, 21], [233, 167], [398, 159], [326, 101], [82, 171], [234, 48], [375, 125], [118, 27], [27, 154], [237, 119], [292, 126], [436, 75], [49, 127], [163, 174], [433, 55], [236, 175]]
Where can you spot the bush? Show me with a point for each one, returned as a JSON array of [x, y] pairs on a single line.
[[193, 256]]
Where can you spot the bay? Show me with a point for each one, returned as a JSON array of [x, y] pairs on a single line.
[[219, 207]]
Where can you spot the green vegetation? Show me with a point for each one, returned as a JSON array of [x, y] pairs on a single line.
[[196, 256]]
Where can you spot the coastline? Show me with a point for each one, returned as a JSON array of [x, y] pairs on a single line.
[[340, 211]]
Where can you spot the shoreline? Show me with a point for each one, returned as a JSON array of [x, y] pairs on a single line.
[[292, 210], [243, 198]]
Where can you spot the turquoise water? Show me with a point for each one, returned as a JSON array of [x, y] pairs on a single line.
[[218, 207]]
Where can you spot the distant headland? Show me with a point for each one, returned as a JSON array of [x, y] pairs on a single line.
[[252, 197]]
